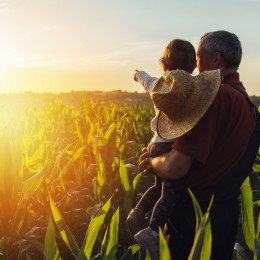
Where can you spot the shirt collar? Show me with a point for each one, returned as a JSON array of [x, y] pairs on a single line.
[[232, 77]]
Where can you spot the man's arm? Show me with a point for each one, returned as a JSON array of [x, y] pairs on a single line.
[[172, 166]]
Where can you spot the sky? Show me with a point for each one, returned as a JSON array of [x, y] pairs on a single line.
[[64, 45]]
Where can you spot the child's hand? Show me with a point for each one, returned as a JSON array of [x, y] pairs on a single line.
[[145, 161], [135, 75]]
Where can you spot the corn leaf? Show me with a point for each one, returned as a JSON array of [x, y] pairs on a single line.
[[51, 251], [64, 230], [201, 248], [123, 176], [198, 213], [248, 226], [101, 174], [164, 250], [256, 167], [147, 257], [134, 248], [78, 153], [92, 232], [136, 180], [56, 167], [258, 228], [90, 130], [111, 145], [78, 132], [104, 243], [33, 183], [240, 252], [113, 237], [126, 185]]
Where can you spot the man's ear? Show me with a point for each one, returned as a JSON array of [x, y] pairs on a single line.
[[217, 60]]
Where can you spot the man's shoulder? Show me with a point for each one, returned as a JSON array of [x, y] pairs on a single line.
[[232, 89], [229, 94], [233, 104]]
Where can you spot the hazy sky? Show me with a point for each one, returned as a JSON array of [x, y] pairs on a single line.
[[62, 45]]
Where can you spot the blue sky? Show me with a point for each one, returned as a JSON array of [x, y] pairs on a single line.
[[52, 45]]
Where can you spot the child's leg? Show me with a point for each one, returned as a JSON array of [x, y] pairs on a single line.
[[163, 208], [150, 197], [136, 218]]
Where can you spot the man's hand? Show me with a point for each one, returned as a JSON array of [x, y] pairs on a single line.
[[145, 161], [172, 165]]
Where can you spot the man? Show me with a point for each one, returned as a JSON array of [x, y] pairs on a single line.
[[214, 156]]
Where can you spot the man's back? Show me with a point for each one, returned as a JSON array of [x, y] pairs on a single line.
[[220, 138]]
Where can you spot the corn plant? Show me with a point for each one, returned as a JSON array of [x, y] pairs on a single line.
[[69, 177], [201, 248]]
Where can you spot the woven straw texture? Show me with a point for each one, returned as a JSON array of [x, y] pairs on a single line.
[[183, 99]]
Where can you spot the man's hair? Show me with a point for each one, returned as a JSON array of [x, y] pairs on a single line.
[[227, 44], [179, 54]]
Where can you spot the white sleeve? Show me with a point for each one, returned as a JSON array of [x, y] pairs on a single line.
[[146, 80]]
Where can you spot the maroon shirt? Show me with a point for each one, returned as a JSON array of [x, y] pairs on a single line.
[[219, 139]]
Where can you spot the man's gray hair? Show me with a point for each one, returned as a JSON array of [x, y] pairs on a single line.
[[227, 44]]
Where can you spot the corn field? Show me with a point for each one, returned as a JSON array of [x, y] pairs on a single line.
[[69, 177]]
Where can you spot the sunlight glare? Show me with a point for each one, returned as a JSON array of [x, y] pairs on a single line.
[[3, 80]]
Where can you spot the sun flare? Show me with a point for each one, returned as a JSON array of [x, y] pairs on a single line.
[[3, 80]]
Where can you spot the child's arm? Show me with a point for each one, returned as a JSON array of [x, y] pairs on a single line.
[[145, 80]]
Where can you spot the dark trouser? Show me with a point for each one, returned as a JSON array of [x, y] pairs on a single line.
[[163, 194], [150, 197], [224, 219], [164, 206]]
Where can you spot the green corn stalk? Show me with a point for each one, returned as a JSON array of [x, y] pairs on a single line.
[[248, 226]]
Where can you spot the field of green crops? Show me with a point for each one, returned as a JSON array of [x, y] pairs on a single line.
[[69, 177]]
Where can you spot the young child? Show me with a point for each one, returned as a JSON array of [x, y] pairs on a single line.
[[163, 195]]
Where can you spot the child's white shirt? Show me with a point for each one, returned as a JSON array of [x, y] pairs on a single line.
[[149, 83]]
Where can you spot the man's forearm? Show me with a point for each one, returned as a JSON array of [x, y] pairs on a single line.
[[173, 165]]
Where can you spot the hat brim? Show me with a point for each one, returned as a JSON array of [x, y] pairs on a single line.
[[169, 130]]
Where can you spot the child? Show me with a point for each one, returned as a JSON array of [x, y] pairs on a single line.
[[179, 54]]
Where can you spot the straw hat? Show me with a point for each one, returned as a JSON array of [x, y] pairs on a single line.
[[183, 99]]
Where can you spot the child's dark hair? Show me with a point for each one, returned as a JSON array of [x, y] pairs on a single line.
[[179, 54]]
